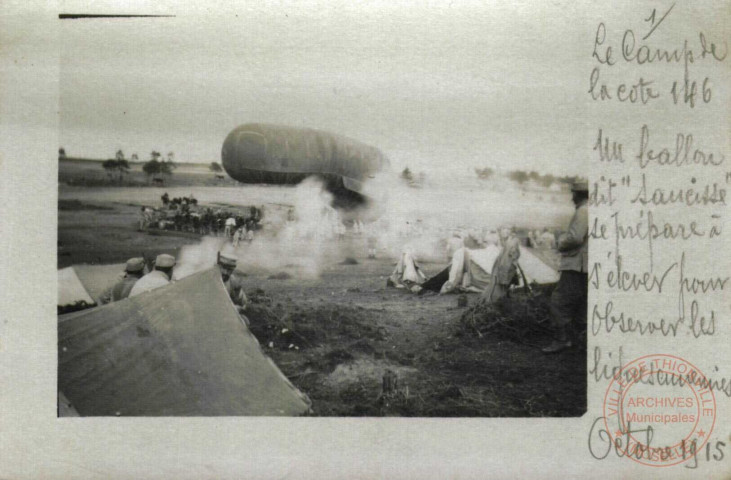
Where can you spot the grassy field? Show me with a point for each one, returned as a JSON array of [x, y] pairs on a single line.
[[90, 173]]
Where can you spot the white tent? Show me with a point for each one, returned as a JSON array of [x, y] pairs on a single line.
[[87, 282], [470, 269], [535, 269], [70, 288], [407, 273]]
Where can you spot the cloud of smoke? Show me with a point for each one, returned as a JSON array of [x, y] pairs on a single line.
[[196, 258], [298, 242], [423, 220], [305, 239], [421, 217]]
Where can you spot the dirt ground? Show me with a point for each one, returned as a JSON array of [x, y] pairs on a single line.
[[338, 335]]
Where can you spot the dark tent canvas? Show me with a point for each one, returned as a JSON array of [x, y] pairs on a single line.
[[178, 350]]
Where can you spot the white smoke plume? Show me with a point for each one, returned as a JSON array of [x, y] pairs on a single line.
[[305, 240], [421, 220], [196, 258], [299, 243]]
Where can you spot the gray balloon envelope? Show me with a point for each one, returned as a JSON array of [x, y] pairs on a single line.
[[276, 154]]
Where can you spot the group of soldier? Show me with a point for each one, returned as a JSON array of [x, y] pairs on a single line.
[[138, 279], [184, 215], [178, 201]]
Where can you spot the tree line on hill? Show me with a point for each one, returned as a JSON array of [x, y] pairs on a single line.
[[518, 176], [156, 167], [119, 166], [521, 176]]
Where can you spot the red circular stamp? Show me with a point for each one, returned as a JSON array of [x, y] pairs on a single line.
[[659, 410]]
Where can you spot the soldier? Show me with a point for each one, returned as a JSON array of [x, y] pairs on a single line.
[[143, 218], [230, 227], [504, 271], [372, 243], [133, 271], [233, 284], [159, 277], [178, 220], [238, 236], [568, 302], [255, 214]]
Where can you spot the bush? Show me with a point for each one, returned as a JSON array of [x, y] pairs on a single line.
[[520, 318]]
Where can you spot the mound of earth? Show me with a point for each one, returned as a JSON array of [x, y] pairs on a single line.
[[285, 325]]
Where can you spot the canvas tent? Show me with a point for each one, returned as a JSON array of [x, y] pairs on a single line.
[[407, 273], [179, 350], [98, 278], [70, 288], [470, 270], [86, 282], [535, 269]]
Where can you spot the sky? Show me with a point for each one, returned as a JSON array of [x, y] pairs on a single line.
[[442, 87]]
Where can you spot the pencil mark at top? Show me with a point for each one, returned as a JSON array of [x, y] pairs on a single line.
[[651, 19], [76, 16]]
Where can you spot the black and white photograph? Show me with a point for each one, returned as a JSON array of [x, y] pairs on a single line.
[[387, 239], [335, 211]]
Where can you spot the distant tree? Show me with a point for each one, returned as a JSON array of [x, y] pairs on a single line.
[[567, 179], [484, 173], [135, 158], [547, 180], [156, 166], [534, 176], [406, 174], [110, 166], [122, 165], [61, 152], [171, 157], [122, 168], [518, 176], [151, 168], [118, 165], [215, 167], [166, 168]]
